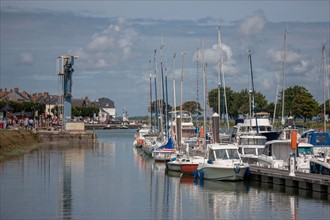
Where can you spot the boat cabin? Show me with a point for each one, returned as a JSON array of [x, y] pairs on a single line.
[[222, 151]]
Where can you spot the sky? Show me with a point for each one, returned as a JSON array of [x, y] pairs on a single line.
[[116, 40]]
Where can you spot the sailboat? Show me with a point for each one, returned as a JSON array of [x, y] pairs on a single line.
[[221, 80], [278, 152], [321, 140], [222, 161], [166, 150], [151, 139]]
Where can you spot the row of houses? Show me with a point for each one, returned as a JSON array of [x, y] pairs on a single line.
[[105, 105]]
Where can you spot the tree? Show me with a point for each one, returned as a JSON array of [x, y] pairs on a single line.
[[298, 102], [83, 111], [192, 107], [159, 103], [327, 107], [238, 102], [213, 100]]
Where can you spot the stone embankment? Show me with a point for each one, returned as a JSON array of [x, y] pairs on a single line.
[[18, 142]]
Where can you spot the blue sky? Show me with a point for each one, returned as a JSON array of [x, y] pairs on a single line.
[[115, 41]]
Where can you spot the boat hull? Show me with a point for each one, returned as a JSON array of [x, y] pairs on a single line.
[[174, 166], [163, 154], [319, 167], [188, 169], [210, 172]]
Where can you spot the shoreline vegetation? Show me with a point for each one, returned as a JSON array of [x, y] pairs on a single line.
[[17, 142]]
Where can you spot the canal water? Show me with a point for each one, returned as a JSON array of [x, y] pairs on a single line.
[[113, 180]]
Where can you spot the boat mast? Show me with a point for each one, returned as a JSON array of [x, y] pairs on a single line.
[[221, 73], [174, 84], [174, 100], [283, 72], [253, 93], [150, 95], [181, 82], [204, 92], [197, 101], [219, 77], [166, 106], [155, 82], [325, 81], [163, 89]]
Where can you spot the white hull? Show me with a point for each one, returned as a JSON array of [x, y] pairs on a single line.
[[214, 172], [320, 165], [163, 154], [250, 159], [174, 166], [149, 149]]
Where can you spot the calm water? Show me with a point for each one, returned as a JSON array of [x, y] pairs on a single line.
[[111, 180]]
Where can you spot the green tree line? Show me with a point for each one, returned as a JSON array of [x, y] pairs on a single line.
[[298, 102]]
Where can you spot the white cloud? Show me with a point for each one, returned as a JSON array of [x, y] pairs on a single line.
[[297, 61], [301, 67], [109, 47], [211, 57], [26, 58], [251, 25]]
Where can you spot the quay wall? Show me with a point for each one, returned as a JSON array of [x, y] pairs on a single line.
[[20, 141], [307, 181], [66, 137]]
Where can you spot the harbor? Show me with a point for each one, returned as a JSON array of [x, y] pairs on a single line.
[[165, 110], [113, 180]]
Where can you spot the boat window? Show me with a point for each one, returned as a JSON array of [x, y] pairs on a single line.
[[250, 151], [267, 150], [244, 141], [211, 155], [221, 154], [260, 150], [240, 150], [321, 139], [233, 154], [305, 150], [261, 141]]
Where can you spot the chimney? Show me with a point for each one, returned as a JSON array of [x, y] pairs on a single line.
[[16, 90]]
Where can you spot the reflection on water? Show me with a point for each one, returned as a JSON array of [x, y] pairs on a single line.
[[113, 180]]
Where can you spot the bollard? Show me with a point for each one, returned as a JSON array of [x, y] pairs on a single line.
[[292, 164]]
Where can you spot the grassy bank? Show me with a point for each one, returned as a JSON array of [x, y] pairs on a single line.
[[17, 142]]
